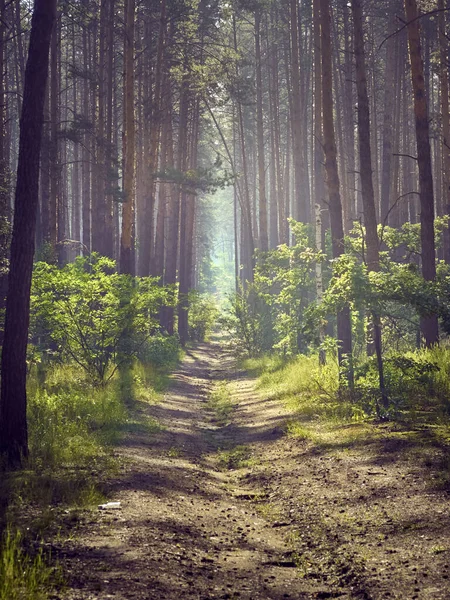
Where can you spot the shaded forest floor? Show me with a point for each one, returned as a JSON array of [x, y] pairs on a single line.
[[222, 502]]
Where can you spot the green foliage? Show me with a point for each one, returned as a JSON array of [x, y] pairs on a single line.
[[73, 428], [205, 180], [417, 383], [160, 351], [275, 311], [89, 314], [69, 421], [23, 576], [286, 278], [249, 321], [202, 315]]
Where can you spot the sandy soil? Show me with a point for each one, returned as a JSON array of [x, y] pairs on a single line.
[[295, 522]]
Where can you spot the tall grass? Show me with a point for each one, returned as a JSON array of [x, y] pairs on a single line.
[[23, 577], [418, 385], [73, 428], [305, 386]]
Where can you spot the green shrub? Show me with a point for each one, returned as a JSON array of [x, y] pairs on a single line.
[[160, 350], [89, 314], [202, 316]]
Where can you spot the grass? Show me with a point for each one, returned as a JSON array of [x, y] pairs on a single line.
[[417, 428], [24, 576], [238, 457], [73, 430], [220, 403]]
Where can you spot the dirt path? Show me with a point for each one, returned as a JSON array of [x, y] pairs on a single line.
[[186, 529], [286, 520]]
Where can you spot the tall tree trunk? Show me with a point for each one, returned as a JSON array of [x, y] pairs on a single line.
[[301, 210], [13, 400], [263, 229], [429, 324], [344, 329], [108, 234], [5, 215], [127, 237], [443, 74], [53, 148], [386, 166], [318, 178], [247, 229], [365, 161], [173, 213], [99, 115], [85, 156]]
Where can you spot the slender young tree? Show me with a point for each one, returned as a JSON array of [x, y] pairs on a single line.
[[445, 112], [13, 400]]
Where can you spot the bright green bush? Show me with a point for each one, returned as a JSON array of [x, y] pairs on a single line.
[[160, 350], [202, 315], [89, 314]]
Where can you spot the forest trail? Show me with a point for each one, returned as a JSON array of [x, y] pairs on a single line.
[[185, 528], [233, 508]]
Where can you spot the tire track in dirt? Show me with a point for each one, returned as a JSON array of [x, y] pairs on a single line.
[[186, 529]]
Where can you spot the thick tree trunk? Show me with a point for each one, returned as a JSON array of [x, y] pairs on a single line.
[[429, 324], [109, 152], [53, 148], [386, 157], [13, 401], [4, 176]]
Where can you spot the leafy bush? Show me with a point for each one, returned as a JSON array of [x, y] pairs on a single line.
[[88, 313], [415, 382], [160, 350], [203, 314], [276, 310], [249, 321], [69, 421]]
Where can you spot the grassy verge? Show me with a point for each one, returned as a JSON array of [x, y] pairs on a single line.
[[417, 426], [74, 428]]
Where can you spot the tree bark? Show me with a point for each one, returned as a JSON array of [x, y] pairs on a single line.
[[263, 229], [443, 74], [429, 324], [344, 330], [127, 237], [365, 161], [301, 211], [13, 401]]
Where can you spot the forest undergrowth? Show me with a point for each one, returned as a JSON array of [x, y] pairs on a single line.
[[74, 428], [329, 417]]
